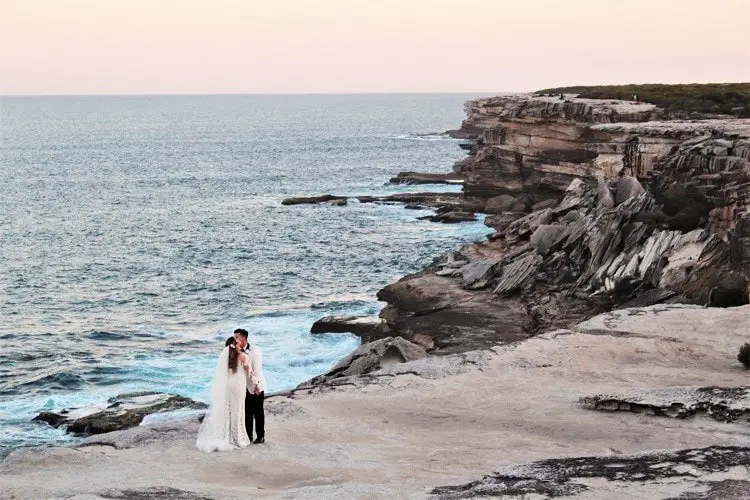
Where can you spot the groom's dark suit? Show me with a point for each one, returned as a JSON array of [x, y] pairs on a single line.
[[254, 402]]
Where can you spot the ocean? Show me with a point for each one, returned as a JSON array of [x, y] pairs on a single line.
[[136, 232]]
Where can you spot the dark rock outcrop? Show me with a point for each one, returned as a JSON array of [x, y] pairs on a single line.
[[309, 200], [122, 412], [451, 217], [362, 326], [451, 207], [744, 356], [425, 178], [368, 358]]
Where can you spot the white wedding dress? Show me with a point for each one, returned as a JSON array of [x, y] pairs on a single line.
[[223, 428]]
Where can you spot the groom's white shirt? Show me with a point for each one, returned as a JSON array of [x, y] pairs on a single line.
[[256, 363]]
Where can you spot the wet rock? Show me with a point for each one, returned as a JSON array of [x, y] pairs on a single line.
[[725, 404], [370, 357], [452, 217], [311, 200], [122, 411], [425, 178], [338, 203], [362, 326], [572, 476]]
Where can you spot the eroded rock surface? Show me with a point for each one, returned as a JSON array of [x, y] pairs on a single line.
[[370, 357], [563, 477], [725, 404], [362, 326], [597, 205]]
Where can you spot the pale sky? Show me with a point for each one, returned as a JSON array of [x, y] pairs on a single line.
[[349, 46]]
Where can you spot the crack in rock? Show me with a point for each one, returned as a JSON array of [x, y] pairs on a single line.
[[725, 404], [558, 477]]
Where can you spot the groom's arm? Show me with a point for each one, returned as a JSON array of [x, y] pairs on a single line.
[[257, 360]]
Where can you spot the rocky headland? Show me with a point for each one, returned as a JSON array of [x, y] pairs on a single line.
[[595, 205], [594, 346]]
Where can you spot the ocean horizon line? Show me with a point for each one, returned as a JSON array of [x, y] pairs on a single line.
[[265, 94]]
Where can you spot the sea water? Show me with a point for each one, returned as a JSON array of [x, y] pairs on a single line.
[[137, 232]]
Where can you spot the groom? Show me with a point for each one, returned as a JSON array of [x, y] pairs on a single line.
[[255, 393]]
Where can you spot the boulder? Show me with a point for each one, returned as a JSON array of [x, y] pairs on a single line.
[[451, 217], [503, 203], [369, 358], [627, 187], [362, 326], [122, 411]]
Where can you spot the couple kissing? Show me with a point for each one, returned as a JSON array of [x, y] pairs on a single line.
[[237, 394]]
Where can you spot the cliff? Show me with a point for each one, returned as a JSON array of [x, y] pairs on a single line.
[[596, 205]]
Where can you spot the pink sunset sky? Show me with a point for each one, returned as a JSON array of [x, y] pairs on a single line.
[[301, 46]]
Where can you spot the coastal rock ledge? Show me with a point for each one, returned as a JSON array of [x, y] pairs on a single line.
[[436, 426]]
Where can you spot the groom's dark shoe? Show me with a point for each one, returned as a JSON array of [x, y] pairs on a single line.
[[260, 440]]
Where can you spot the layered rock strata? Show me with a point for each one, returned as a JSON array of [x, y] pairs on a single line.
[[596, 205]]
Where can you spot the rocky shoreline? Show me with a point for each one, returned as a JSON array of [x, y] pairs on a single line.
[[613, 291], [515, 419]]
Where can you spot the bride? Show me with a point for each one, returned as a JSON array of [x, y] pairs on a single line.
[[223, 428]]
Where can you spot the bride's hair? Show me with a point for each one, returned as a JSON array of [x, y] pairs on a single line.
[[233, 358]]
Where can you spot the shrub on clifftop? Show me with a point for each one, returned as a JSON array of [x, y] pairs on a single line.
[[723, 98], [744, 355]]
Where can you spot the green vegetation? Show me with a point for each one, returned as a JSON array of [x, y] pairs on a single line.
[[724, 98]]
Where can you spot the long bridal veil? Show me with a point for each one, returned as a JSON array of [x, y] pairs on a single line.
[[214, 430]]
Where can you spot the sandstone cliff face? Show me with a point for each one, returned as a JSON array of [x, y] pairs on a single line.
[[533, 147], [597, 205]]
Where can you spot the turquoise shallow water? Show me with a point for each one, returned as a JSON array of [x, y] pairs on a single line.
[[137, 232]]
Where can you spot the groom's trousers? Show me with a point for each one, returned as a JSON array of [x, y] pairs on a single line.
[[254, 411]]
